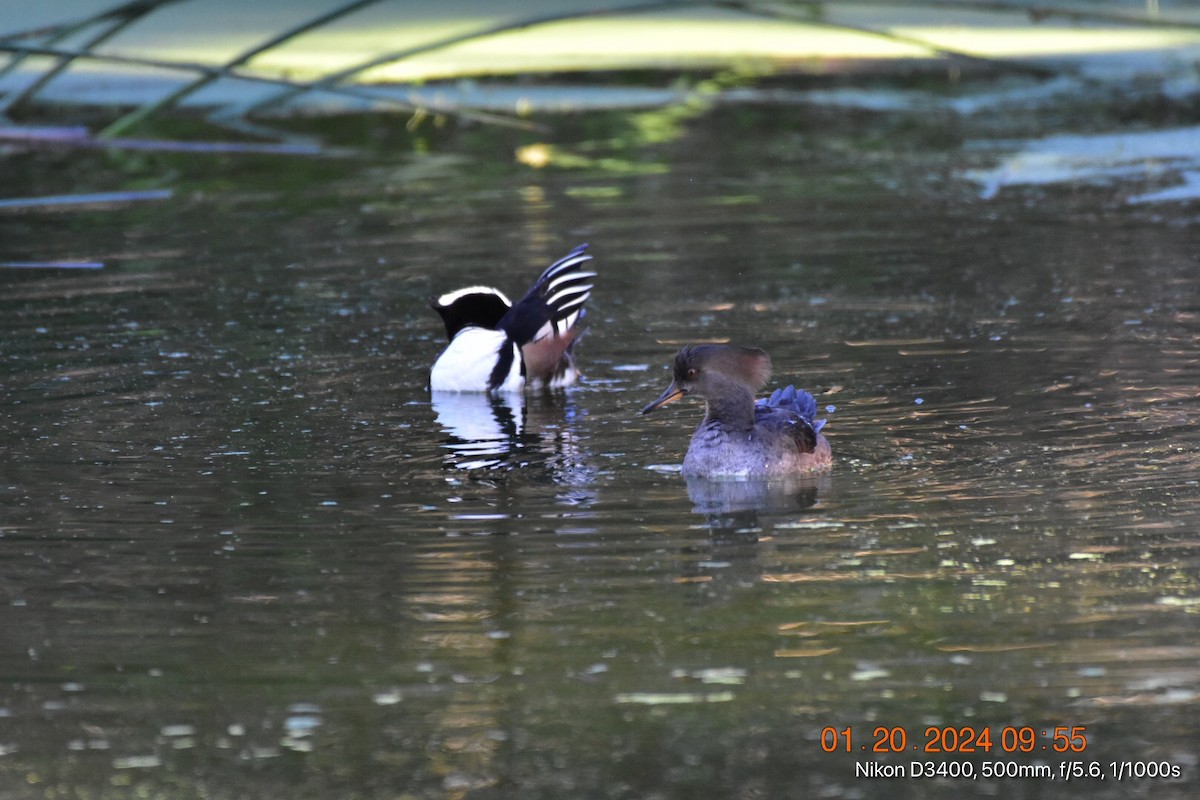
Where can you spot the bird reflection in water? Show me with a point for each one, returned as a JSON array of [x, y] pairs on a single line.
[[508, 430], [735, 511], [731, 507]]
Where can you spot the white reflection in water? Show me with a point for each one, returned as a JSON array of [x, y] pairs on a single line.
[[509, 431], [484, 429]]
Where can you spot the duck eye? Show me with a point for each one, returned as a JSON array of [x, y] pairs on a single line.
[[691, 373]]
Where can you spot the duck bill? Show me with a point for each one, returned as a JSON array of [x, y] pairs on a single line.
[[672, 394]]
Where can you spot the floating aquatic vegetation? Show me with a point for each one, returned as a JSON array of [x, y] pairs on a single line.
[[1188, 190], [672, 698], [1068, 158], [92, 198], [76, 136], [52, 264]]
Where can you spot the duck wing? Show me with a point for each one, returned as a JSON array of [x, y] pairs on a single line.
[[554, 304], [545, 321], [793, 410]]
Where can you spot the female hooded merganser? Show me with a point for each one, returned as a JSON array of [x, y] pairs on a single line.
[[776, 436], [496, 346]]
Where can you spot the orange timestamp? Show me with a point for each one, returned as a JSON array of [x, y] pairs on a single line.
[[959, 739]]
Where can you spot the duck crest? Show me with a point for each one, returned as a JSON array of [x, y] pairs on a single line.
[[749, 365], [478, 306]]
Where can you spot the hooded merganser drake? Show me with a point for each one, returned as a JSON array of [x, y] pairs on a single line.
[[497, 346], [778, 435]]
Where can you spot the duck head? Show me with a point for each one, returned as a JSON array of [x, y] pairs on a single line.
[[474, 306], [713, 370]]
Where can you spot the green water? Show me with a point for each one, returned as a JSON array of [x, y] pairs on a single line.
[[244, 554]]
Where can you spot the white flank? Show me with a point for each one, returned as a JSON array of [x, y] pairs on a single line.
[[467, 363]]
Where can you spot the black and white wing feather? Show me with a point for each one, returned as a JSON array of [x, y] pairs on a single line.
[[555, 303]]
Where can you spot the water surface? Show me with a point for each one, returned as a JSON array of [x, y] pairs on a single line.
[[246, 554]]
